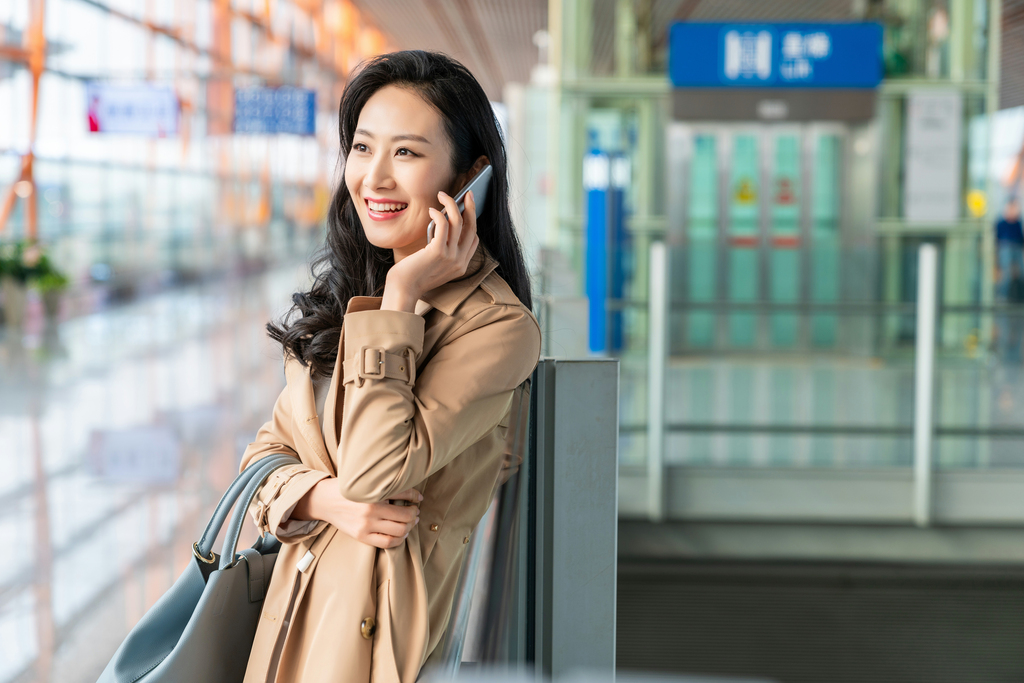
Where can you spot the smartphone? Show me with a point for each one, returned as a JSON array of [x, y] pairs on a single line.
[[478, 185]]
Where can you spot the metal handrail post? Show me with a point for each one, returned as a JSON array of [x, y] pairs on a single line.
[[657, 352], [924, 381], [574, 524]]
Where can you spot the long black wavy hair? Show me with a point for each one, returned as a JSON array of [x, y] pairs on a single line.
[[348, 264]]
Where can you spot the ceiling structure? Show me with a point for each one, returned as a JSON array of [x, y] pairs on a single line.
[[1011, 70], [493, 38]]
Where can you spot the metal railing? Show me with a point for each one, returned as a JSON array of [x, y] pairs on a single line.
[[538, 585], [923, 431]]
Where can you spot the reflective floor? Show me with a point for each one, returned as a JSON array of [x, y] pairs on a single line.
[[118, 433]]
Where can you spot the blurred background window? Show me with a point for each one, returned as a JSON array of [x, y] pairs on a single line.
[[771, 170]]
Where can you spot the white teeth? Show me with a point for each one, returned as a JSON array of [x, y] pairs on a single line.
[[374, 206]]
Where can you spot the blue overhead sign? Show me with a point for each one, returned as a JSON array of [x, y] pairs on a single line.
[[716, 55], [275, 110]]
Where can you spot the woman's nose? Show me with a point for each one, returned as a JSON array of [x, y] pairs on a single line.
[[378, 175]]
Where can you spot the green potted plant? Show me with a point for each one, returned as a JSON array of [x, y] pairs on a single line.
[[25, 264], [14, 276], [51, 285]]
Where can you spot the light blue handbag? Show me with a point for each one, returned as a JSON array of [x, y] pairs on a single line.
[[201, 630]]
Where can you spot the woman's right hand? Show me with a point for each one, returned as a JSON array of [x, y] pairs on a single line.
[[382, 525]]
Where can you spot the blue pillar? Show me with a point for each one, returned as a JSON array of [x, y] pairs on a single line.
[[620, 247], [596, 184]]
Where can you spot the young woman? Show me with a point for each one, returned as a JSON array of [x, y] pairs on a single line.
[[402, 363]]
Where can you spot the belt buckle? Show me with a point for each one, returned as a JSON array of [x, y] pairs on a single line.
[[361, 371]]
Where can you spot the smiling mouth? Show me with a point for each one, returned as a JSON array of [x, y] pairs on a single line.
[[386, 207]]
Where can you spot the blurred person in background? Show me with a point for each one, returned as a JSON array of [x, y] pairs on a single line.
[[402, 362], [1009, 245], [1013, 328], [1009, 283]]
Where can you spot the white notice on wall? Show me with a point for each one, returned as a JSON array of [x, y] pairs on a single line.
[[132, 108], [931, 179]]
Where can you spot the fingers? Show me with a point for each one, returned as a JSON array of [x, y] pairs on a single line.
[[389, 528], [440, 228], [406, 514], [469, 221], [388, 534], [384, 541], [401, 514], [462, 236], [411, 495], [454, 218]]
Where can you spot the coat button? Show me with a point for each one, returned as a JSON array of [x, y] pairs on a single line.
[[465, 540], [434, 527], [368, 627]]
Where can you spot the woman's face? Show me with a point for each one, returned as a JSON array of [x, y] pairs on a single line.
[[400, 159]]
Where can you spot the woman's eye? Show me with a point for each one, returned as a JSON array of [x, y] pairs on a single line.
[[359, 147], [405, 152]]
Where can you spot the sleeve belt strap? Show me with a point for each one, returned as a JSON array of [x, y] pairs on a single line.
[[373, 362]]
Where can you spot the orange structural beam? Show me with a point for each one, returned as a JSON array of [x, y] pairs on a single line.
[[36, 62], [342, 38], [14, 54], [34, 53], [10, 195]]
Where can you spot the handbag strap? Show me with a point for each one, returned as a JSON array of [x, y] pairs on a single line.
[[259, 471], [227, 553], [205, 542]]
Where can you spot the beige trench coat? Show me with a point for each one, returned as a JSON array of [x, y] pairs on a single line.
[[440, 428]]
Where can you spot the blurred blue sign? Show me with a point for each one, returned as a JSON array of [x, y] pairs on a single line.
[[132, 109], [715, 55], [275, 110]]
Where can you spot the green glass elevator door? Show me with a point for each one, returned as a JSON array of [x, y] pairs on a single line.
[[762, 215], [743, 268], [785, 243]]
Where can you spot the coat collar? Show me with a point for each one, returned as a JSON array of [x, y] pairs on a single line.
[[450, 295], [300, 389], [446, 298]]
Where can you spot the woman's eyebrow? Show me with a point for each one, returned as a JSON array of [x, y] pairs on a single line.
[[406, 136]]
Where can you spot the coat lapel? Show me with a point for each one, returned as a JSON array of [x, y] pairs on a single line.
[[445, 298], [304, 411], [330, 432], [450, 295]]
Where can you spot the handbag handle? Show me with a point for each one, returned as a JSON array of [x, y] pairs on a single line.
[[259, 471], [205, 543], [227, 553]]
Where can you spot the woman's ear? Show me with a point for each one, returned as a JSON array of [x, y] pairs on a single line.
[[463, 179], [478, 165]]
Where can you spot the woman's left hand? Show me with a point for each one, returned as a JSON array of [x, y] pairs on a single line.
[[446, 258], [382, 525]]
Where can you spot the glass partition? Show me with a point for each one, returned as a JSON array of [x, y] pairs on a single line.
[[840, 396], [933, 38]]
